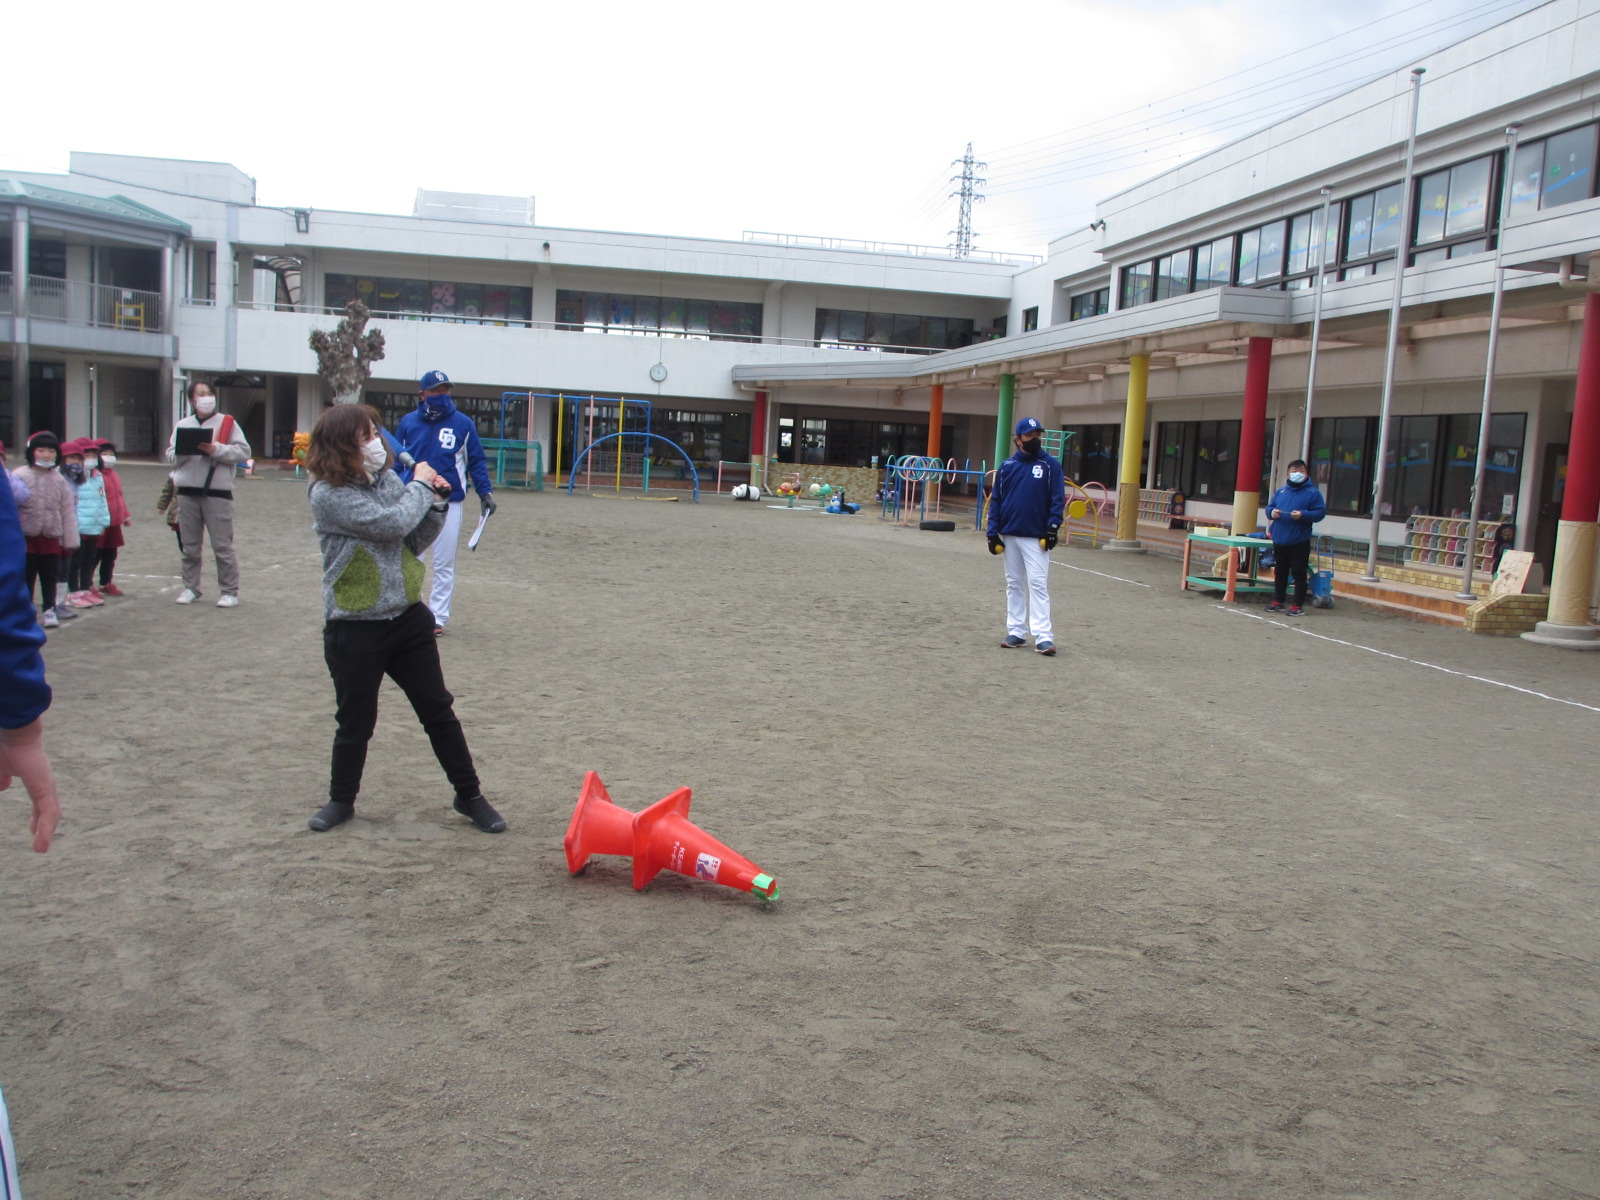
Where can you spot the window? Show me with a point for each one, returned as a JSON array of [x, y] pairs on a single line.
[[1030, 320], [1341, 462], [1090, 304], [1373, 230], [1172, 274], [839, 328], [1261, 254], [1090, 455], [1136, 285], [657, 316], [840, 442], [1455, 207], [1201, 458], [1559, 169], [421, 299], [1214, 264]]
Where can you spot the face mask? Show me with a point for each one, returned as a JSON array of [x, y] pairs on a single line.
[[44, 461], [1031, 445], [434, 406], [109, 460], [73, 471], [204, 406], [90, 464], [1297, 476], [374, 455]]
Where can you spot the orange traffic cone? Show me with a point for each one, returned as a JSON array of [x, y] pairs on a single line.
[[664, 839], [598, 826]]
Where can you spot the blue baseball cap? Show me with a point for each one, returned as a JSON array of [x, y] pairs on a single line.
[[433, 379], [1028, 425]]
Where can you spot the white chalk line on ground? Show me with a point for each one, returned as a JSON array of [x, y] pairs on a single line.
[[1416, 662], [1056, 562]]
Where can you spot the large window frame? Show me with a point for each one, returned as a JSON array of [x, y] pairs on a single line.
[[1556, 170], [1090, 304], [856, 329], [1201, 458]]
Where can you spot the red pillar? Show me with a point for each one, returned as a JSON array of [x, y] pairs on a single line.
[[1252, 436], [935, 418], [1582, 499], [758, 427]]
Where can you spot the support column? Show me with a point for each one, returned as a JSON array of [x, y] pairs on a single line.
[[935, 418], [1572, 578], [758, 438], [1128, 481], [1252, 437], [17, 436], [1003, 417]]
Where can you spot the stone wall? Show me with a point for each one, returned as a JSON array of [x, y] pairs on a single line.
[[1506, 616]]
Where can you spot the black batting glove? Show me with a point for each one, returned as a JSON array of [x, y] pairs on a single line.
[[996, 546], [1051, 536], [487, 499]]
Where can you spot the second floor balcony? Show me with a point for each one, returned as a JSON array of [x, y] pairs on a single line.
[[79, 302]]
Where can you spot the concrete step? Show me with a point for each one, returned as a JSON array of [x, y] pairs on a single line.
[[1433, 610]]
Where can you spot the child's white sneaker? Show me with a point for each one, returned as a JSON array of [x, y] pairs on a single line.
[[228, 602], [49, 619], [188, 596]]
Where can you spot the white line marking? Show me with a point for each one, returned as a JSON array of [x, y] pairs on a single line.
[[1416, 662], [1057, 562]]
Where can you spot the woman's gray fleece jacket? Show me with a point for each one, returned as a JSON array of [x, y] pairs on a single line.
[[371, 534]]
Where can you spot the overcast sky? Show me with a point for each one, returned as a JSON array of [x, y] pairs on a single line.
[[704, 117]]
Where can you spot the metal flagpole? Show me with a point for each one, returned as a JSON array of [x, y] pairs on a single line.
[[1488, 371], [1401, 255], [1316, 326]]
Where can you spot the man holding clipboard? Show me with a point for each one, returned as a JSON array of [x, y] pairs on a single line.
[[206, 446]]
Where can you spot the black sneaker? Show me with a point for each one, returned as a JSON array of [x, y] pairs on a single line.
[[1296, 611], [481, 813], [330, 814], [1276, 606], [1013, 641]]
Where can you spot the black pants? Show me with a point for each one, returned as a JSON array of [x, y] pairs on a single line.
[[80, 573], [1293, 559], [108, 563], [43, 567], [359, 655]]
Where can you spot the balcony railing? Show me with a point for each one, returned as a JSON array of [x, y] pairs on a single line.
[[693, 335], [78, 302]]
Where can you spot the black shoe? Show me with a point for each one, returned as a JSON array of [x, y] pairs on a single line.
[[481, 813], [330, 814]]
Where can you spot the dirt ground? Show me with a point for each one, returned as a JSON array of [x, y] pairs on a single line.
[[1203, 907]]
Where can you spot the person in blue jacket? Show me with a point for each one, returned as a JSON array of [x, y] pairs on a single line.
[[447, 440], [24, 694], [1025, 510], [1293, 510]]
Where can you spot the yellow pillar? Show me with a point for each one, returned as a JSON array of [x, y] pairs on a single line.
[[1128, 480]]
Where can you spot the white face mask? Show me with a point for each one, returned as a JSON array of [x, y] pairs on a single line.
[[204, 406], [374, 455], [91, 463], [109, 460], [1297, 477], [43, 461]]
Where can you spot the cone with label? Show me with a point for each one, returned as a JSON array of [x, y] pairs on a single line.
[[664, 839], [598, 826]]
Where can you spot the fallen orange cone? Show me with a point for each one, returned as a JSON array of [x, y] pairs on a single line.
[[666, 840], [661, 838]]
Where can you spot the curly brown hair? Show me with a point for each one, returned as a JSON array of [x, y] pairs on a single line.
[[335, 455]]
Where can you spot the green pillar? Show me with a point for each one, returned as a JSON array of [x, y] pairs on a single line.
[[1002, 420]]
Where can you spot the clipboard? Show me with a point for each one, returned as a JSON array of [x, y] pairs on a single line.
[[477, 534], [189, 440]]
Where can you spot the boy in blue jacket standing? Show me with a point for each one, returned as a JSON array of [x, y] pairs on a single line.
[[447, 440], [1025, 511], [1293, 510]]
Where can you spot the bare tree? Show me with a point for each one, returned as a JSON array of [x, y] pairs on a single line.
[[345, 356]]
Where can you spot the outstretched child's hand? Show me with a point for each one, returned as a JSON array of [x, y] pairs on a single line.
[[22, 754]]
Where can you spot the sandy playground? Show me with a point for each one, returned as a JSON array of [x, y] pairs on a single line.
[[1202, 908]]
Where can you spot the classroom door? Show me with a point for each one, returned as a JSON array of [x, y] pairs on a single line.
[[1552, 490]]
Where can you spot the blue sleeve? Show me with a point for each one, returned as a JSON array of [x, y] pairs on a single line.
[[1058, 493], [24, 695], [1318, 508], [477, 464]]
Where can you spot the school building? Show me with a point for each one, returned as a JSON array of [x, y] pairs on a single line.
[[1171, 338]]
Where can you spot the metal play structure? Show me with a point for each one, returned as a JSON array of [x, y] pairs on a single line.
[[610, 436], [647, 439], [913, 486]]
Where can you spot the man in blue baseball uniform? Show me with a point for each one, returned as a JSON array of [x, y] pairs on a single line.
[[1025, 511], [447, 440]]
